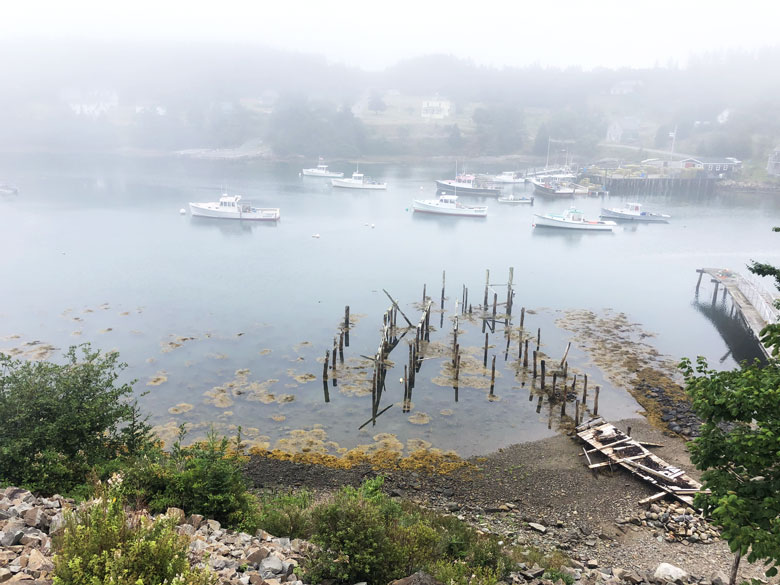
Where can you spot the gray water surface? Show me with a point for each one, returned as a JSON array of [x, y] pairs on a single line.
[[95, 249]]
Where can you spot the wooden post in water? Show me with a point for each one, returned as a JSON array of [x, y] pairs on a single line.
[[525, 356], [457, 362], [325, 365], [585, 389], [543, 375], [487, 284], [522, 317], [577, 413], [535, 354], [325, 390], [443, 275], [596, 402], [509, 291], [538, 338], [563, 404], [406, 389], [423, 295], [539, 405], [508, 339], [519, 346], [628, 431], [698, 282], [341, 346], [484, 359], [495, 304], [493, 375], [466, 302], [346, 325], [555, 382], [335, 347]]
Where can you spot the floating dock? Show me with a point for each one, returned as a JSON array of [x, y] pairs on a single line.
[[620, 449], [755, 305]]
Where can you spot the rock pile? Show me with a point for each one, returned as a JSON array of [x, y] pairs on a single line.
[[676, 523], [676, 414], [25, 525]]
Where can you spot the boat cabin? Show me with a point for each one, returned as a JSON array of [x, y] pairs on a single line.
[[635, 207], [574, 215], [229, 200], [448, 199]]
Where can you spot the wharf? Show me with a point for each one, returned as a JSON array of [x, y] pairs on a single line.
[[753, 304]]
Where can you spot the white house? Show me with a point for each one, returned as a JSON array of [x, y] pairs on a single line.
[[436, 109]]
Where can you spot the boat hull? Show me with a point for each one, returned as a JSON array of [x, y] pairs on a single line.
[[516, 200], [323, 174], [644, 216], [560, 222], [433, 206], [350, 184], [213, 211], [461, 189]]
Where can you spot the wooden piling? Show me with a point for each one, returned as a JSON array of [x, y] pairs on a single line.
[[522, 317], [535, 355], [443, 278], [563, 404], [628, 431], [585, 389], [495, 304], [335, 347], [519, 346], [525, 356], [543, 374], [457, 364], [538, 338], [346, 326], [484, 359], [508, 339], [539, 405], [577, 413], [325, 390], [596, 402], [509, 291], [554, 383], [325, 365], [493, 374], [341, 347], [423, 294]]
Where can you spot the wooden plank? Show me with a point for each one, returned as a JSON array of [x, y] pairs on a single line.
[[609, 462], [653, 498]]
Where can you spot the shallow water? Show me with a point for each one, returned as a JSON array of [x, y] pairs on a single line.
[[96, 250]]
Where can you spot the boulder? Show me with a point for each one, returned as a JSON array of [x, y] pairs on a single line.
[[272, 564], [37, 562], [719, 579], [538, 527], [12, 533], [177, 514], [667, 572]]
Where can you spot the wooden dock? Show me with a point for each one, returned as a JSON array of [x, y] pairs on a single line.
[[619, 449], [754, 305]]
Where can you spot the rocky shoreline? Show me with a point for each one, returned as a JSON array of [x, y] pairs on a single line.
[[27, 525]]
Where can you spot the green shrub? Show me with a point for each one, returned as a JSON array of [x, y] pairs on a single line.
[[354, 539], [60, 421], [461, 573], [205, 478], [286, 514], [100, 546]]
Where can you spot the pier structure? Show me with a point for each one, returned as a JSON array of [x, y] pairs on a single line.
[[753, 304]]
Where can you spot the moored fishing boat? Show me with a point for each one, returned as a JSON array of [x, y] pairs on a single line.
[[508, 177], [231, 207], [448, 205], [512, 198], [572, 219], [358, 181], [466, 185], [633, 212], [558, 188], [321, 171]]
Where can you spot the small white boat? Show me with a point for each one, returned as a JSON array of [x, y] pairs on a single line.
[[556, 187], [572, 219], [231, 207], [633, 212], [321, 171], [466, 185], [448, 205], [508, 177], [358, 181], [515, 199]]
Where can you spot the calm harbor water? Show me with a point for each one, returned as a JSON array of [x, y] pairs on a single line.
[[223, 322]]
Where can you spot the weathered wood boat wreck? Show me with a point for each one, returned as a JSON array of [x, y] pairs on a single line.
[[620, 449]]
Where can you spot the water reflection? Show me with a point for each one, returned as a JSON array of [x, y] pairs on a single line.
[[725, 316], [231, 227]]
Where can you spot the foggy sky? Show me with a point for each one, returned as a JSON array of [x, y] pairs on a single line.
[[374, 34]]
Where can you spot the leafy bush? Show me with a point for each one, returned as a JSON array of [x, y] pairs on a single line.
[[366, 536], [205, 478], [286, 514], [554, 576], [99, 545], [59, 421]]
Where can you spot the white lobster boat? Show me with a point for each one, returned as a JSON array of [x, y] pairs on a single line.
[[633, 212], [448, 205], [512, 198], [321, 171], [358, 181], [231, 207], [572, 219]]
